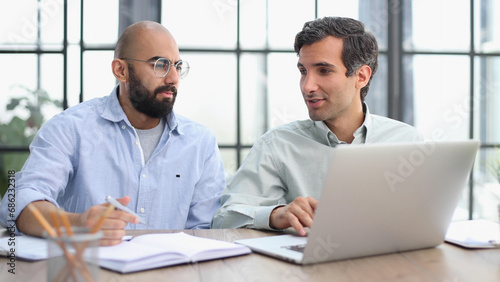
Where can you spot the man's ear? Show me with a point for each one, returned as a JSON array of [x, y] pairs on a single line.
[[363, 74], [120, 70]]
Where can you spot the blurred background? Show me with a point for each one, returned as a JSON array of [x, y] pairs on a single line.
[[439, 69]]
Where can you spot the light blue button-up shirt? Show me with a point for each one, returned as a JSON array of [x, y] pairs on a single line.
[[91, 150]]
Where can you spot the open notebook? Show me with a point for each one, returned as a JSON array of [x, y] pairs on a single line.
[[380, 198], [142, 252]]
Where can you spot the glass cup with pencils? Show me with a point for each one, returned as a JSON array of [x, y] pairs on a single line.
[[72, 251], [73, 257]]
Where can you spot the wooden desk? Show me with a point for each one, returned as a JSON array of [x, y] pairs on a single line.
[[446, 263]]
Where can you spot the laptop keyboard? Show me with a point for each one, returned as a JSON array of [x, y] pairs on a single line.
[[298, 248]]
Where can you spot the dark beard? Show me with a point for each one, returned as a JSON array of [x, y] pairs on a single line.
[[145, 102]]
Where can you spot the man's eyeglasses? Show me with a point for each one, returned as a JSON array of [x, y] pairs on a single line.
[[162, 66]]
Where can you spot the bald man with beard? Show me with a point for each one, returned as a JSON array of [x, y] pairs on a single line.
[[129, 145]]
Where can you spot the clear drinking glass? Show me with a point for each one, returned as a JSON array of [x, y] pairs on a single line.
[[73, 258]]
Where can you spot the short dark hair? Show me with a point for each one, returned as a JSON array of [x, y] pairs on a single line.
[[359, 46]]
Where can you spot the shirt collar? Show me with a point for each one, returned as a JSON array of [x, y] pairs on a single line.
[[359, 135], [173, 123], [113, 112], [368, 119]]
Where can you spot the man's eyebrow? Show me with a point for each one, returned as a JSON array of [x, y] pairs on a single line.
[[154, 58], [319, 64], [324, 64], [157, 57]]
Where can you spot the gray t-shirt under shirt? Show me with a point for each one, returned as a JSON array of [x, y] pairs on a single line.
[[149, 138]]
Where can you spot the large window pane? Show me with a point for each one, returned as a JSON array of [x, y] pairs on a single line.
[[376, 99], [285, 99], [253, 97], [487, 186], [73, 74], [98, 79], [487, 26], [74, 20], [338, 8], [285, 23], [441, 95], [51, 71], [253, 24], [18, 81], [373, 13], [20, 25], [94, 31], [462, 209], [51, 24], [201, 24], [26, 104], [244, 154], [229, 159], [487, 100], [437, 26], [208, 94]]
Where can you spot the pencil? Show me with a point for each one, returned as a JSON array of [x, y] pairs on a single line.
[[80, 248], [39, 217], [55, 221], [66, 223], [73, 263], [103, 217]]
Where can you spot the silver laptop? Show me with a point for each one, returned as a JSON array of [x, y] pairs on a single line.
[[379, 199]]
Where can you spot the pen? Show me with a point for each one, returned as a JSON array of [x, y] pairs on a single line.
[[119, 206]]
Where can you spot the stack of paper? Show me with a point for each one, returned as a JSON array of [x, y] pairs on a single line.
[[474, 234]]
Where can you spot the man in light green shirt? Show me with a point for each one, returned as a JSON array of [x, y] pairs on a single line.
[[278, 184]]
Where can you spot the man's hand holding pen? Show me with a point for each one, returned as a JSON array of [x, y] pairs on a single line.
[[111, 221], [113, 226]]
